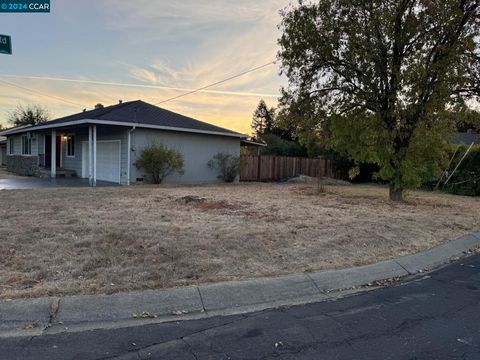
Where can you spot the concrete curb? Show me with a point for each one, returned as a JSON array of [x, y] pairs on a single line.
[[33, 317]]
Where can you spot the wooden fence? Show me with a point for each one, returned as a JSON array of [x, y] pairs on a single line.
[[270, 167]]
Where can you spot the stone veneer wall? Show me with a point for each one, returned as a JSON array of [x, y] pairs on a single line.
[[23, 165]]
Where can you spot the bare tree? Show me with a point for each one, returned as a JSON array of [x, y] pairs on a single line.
[[31, 114]]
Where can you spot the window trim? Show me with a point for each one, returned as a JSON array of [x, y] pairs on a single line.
[[29, 145], [72, 138], [11, 150]]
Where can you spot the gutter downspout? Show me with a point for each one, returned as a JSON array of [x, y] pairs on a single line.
[[129, 148]]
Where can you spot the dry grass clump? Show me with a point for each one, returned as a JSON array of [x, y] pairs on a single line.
[[105, 240]]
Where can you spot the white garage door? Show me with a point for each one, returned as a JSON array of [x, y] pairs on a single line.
[[108, 160]]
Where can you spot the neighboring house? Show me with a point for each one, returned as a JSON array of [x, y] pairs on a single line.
[[3, 150], [104, 144], [250, 147], [466, 138]]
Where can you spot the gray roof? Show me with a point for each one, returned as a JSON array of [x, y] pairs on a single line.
[[466, 138], [138, 113]]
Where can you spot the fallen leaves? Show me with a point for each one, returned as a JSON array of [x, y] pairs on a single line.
[[149, 315], [143, 315], [180, 312], [29, 325]]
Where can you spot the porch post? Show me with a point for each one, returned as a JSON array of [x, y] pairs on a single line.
[[90, 157], [53, 164], [129, 152], [94, 155]]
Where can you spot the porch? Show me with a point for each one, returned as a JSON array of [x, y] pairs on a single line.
[[96, 153]]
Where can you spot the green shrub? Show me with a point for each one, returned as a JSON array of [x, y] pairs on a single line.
[[228, 166], [466, 180], [159, 162]]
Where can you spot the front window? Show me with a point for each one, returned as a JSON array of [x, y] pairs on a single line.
[[12, 145], [71, 145], [26, 145]]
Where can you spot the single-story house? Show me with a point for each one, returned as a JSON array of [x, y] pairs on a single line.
[[105, 143], [3, 150]]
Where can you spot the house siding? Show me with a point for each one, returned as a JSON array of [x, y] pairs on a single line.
[[197, 150], [35, 142], [41, 149], [17, 145], [17, 148]]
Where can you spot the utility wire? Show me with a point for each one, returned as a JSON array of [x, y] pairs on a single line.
[[40, 93], [160, 102], [217, 83], [133, 85]]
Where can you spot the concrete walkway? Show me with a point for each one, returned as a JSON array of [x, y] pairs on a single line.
[[76, 313]]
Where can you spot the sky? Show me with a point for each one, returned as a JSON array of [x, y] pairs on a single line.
[[102, 51]]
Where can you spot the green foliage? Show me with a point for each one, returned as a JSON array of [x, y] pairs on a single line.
[[228, 166], [159, 162], [263, 120], [276, 131], [29, 115], [466, 180], [279, 146], [466, 118], [378, 80], [366, 141]]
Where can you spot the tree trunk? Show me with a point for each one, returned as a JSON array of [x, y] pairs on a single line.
[[396, 194]]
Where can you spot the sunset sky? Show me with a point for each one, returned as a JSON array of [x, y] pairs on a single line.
[[90, 51]]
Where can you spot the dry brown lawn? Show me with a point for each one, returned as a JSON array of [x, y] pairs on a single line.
[[105, 240]]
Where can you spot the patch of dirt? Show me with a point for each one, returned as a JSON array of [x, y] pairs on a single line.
[[204, 204], [190, 199], [304, 179], [217, 205]]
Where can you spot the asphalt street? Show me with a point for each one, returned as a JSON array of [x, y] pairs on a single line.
[[435, 316]]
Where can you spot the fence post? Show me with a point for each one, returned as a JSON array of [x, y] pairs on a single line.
[[274, 166], [258, 167]]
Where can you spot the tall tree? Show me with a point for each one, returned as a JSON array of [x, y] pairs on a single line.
[[276, 132], [263, 120], [28, 115], [383, 74]]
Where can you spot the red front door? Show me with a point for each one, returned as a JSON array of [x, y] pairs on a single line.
[[48, 150]]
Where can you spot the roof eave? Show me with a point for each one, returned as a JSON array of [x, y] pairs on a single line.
[[253, 143], [118, 123]]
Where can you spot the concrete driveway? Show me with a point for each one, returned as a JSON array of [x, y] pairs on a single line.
[[38, 183]]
